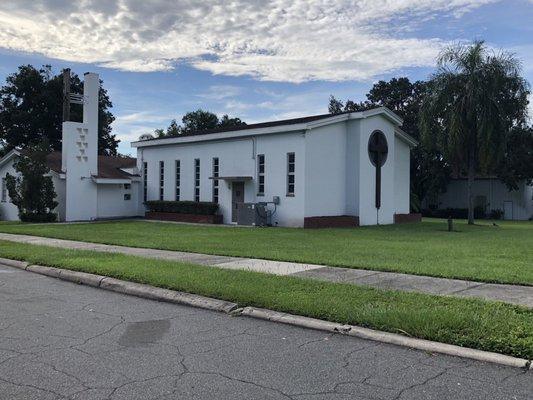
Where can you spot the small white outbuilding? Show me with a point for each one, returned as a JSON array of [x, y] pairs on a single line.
[[489, 195], [325, 170]]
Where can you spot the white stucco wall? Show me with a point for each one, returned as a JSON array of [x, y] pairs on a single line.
[[236, 158], [111, 203], [325, 189], [290, 211], [401, 176], [353, 153], [495, 192]]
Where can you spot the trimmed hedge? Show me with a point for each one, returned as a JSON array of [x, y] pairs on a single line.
[[38, 217], [183, 207]]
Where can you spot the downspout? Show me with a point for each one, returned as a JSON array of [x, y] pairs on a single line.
[[254, 157], [141, 208]]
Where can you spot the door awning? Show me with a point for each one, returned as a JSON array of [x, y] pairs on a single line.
[[232, 178]]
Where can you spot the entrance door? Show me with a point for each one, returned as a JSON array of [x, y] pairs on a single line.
[[507, 210], [237, 198]]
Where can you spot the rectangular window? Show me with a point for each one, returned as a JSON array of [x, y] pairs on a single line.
[[145, 181], [215, 181], [178, 178], [261, 174], [127, 196], [290, 174], [4, 190], [161, 180], [127, 186], [197, 179]]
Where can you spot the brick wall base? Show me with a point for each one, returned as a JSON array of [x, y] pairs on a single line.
[[176, 217], [404, 218], [336, 221]]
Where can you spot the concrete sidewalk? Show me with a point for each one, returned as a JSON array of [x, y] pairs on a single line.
[[513, 294]]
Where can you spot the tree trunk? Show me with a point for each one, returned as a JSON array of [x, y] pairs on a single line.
[[470, 184]]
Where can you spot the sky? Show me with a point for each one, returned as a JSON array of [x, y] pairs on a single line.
[[258, 60]]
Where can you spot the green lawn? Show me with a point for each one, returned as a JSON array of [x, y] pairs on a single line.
[[483, 252], [466, 322]]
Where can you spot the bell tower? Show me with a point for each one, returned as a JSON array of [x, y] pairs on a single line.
[[79, 161]]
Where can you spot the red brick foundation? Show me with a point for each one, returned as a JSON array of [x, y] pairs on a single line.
[[404, 218], [336, 221], [199, 219]]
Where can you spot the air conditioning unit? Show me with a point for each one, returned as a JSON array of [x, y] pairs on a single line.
[[254, 214]]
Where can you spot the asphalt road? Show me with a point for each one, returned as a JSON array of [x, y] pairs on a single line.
[[61, 340]]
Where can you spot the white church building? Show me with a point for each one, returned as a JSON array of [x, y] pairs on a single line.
[[326, 170], [88, 186], [313, 172]]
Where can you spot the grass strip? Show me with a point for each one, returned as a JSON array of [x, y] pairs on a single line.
[[484, 252], [479, 324]]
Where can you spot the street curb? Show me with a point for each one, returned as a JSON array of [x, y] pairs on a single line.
[[14, 263], [386, 337], [126, 287], [188, 299]]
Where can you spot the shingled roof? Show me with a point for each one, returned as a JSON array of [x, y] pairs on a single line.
[[109, 167], [269, 124]]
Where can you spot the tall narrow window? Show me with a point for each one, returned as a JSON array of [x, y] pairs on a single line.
[[196, 179], [215, 181], [161, 180], [145, 181], [290, 174], [178, 177], [4, 190], [261, 174]]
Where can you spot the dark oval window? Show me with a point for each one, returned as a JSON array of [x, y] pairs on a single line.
[[377, 148]]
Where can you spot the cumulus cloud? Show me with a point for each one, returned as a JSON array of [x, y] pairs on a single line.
[[273, 40]]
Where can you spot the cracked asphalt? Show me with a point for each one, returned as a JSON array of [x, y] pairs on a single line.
[[59, 340]]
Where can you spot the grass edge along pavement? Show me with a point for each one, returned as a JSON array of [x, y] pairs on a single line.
[[479, 324], [484, 253]]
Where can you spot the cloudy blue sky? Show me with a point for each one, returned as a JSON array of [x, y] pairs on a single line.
[[256, 59]]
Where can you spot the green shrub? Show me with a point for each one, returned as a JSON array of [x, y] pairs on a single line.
[[496, 214], [183, 207], [455, 213], [38, 217], [32, 188]]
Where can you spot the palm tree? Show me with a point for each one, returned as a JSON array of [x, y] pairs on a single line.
[[475, 97]]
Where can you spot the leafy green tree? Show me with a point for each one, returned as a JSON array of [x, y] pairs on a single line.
[[199, 121], [31, 110], [227, 122], [403, 97], [172, 130], [336, 106], [517, 164], [473, 102], [33, 190]]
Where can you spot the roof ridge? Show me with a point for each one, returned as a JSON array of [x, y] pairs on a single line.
[[265, 124]]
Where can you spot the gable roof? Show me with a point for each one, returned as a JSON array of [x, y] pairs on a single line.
[[267, 124], [109, 167], [286, 125]]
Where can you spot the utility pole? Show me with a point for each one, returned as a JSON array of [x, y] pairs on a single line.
[[66, 94]]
